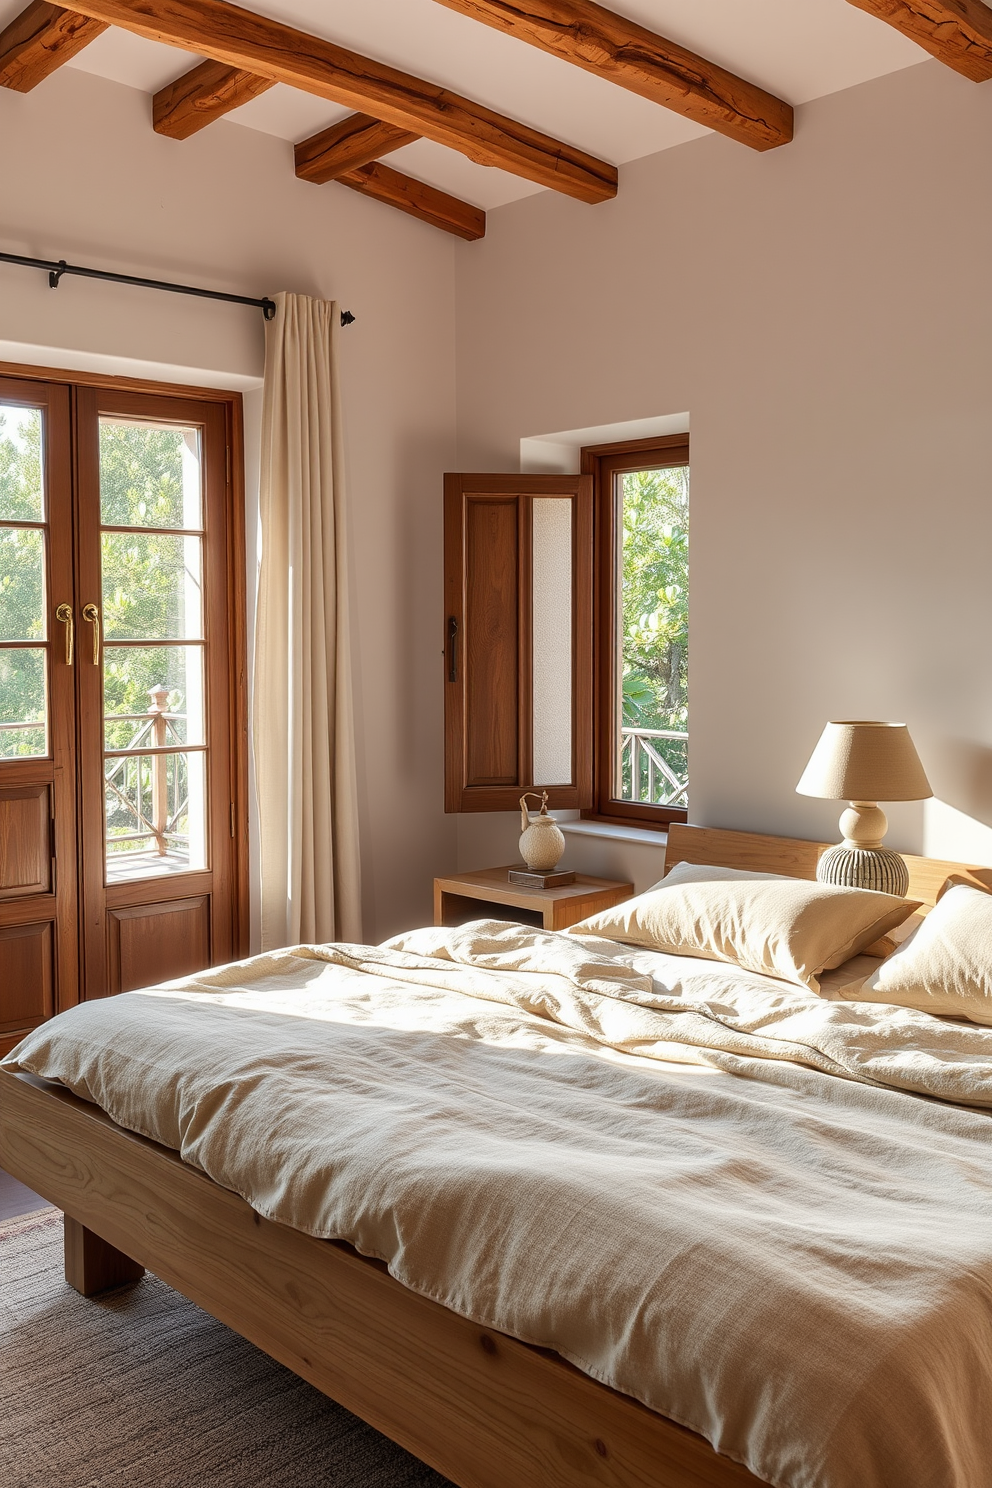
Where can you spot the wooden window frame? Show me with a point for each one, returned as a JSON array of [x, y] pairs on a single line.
[[603, 462]]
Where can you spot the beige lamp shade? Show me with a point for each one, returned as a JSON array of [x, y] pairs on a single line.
[[865, 760]]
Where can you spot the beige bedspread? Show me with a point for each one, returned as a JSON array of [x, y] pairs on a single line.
[[707, 1189]]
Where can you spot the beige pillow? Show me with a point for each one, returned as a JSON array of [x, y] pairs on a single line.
[[783, 927], [944, 967]]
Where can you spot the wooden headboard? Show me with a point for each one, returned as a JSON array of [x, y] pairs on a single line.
[[798, 858]]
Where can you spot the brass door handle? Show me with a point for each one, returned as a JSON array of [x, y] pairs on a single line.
[[64, 613], [92, 614]]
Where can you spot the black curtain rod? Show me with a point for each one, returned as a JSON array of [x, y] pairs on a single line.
[[56, 270]]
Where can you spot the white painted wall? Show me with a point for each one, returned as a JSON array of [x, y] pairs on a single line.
[[85, 178], [820, 311]]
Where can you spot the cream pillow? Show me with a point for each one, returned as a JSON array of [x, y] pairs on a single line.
[[944, 967], [783, 927]]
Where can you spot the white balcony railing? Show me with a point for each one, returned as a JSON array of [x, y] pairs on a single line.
[[645, 774]]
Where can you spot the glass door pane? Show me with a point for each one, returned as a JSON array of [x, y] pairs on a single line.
[[154, 725], [652, 630], [23, 599]]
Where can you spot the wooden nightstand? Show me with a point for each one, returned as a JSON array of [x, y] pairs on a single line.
[[489, 895]]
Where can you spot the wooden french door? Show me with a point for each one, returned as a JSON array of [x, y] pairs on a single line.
[[121, 804], [38, 905]]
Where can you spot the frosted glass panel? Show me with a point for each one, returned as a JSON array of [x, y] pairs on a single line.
[[552, 640]]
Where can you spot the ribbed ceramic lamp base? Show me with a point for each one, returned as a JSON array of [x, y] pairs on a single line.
[[863, 868]]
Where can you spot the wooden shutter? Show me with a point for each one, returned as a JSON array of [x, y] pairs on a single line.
[[518, 651]]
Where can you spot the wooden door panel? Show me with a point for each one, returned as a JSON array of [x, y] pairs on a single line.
[[25, 840], [489, 595], [490, 643], [138, 892], [150, 943], [27, 992]]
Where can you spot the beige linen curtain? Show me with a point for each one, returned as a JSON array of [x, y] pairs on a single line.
[[303, 725]]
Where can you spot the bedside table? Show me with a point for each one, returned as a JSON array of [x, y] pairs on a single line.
[[488, 894]]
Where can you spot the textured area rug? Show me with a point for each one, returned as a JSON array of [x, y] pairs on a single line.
[[140, 1389]]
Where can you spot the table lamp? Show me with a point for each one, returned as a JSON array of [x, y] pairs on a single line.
[[863, 762]]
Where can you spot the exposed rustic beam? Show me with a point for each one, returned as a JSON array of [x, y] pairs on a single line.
[[958, 32], [417, 198], [613, 47], [199, 97], [348, 152], [239, 38], [355, 141], [39, 40]]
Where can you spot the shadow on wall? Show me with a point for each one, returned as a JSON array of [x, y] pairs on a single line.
[[966, 777], [958, 821], [396, 603]]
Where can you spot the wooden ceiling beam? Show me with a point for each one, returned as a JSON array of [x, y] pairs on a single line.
[[348, 152], [355, 141], [254, 43], [208, 92], [39, 40], [957, 32], [618, 49], [418, 199]]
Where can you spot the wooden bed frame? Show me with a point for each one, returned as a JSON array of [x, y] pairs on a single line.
[[482, 1408]]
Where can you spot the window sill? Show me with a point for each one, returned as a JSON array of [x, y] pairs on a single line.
[[614, 832]]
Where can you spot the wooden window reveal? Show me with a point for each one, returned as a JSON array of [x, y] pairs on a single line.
[[518, 640], [604, 464]]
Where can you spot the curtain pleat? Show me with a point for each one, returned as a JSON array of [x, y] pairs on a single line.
[[303, 721]]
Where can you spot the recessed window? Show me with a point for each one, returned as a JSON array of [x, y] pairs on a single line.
[[567, 635]]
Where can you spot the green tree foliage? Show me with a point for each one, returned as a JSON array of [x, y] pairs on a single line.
[[655, 608], [20, 465], [150, 579], [151, 592], [141, 477], [22, 603]]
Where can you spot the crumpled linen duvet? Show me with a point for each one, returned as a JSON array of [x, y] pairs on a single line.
[[765, 1215]]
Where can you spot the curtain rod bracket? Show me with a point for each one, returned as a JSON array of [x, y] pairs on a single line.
[[55, 271], [269, 310]]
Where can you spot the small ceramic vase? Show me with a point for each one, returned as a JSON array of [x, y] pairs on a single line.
[[541, 839]]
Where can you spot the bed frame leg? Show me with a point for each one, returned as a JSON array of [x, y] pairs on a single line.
[[92, 1265]]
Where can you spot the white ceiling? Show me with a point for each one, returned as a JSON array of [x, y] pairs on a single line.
[[798, 49]]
